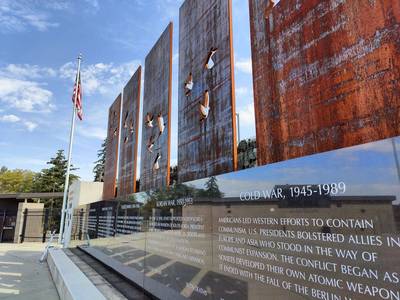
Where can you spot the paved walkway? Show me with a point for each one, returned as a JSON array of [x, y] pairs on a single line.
[[21, 274]]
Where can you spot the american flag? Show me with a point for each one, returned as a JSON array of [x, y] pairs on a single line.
[[79, 99]]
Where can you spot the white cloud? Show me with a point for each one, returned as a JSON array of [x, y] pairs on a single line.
[[101, 78], [30, 126], [26, 71], [19, 15], [93, 3], [26, 96], [93, 132], [56, 4], [22, 15], [244, 65], [242, 91], [246, 115], [19, 91], [10, 118]]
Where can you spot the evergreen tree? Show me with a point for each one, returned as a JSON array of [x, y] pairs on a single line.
[[173, 175], [3, 169], [98, 169], [211, 189], [52, 179]]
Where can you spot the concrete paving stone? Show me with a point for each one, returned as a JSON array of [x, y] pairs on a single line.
[[22, 276]]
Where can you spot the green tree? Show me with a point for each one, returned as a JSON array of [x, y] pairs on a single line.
[[52, 179], [98, 169], [173, 175], [16, 181], [211, 189], [3, 169]]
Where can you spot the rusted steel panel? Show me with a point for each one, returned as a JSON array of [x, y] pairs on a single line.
[[155, 154], [110, 168], [326, 75], [206, 144], [129, 135]]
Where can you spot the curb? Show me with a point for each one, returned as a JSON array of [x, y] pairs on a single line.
[[69, 280]]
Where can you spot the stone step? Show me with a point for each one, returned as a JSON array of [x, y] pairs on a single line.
[[110, 284], [70, 281]]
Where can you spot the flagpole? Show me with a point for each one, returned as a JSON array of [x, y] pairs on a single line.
[[71, 138]]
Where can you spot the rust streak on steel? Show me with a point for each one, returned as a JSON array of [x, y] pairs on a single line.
[[110, 168], [129, 135], [157, 100], [326, 75], [206, 147]]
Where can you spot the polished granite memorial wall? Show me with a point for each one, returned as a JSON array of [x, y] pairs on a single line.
[[325, 226]]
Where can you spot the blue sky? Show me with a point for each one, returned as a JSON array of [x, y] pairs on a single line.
[[40, 40]]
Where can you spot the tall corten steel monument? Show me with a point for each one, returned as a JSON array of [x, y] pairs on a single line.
[[156, 130], [110, 168], [129, 135], [326, 74], [207, 119]]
